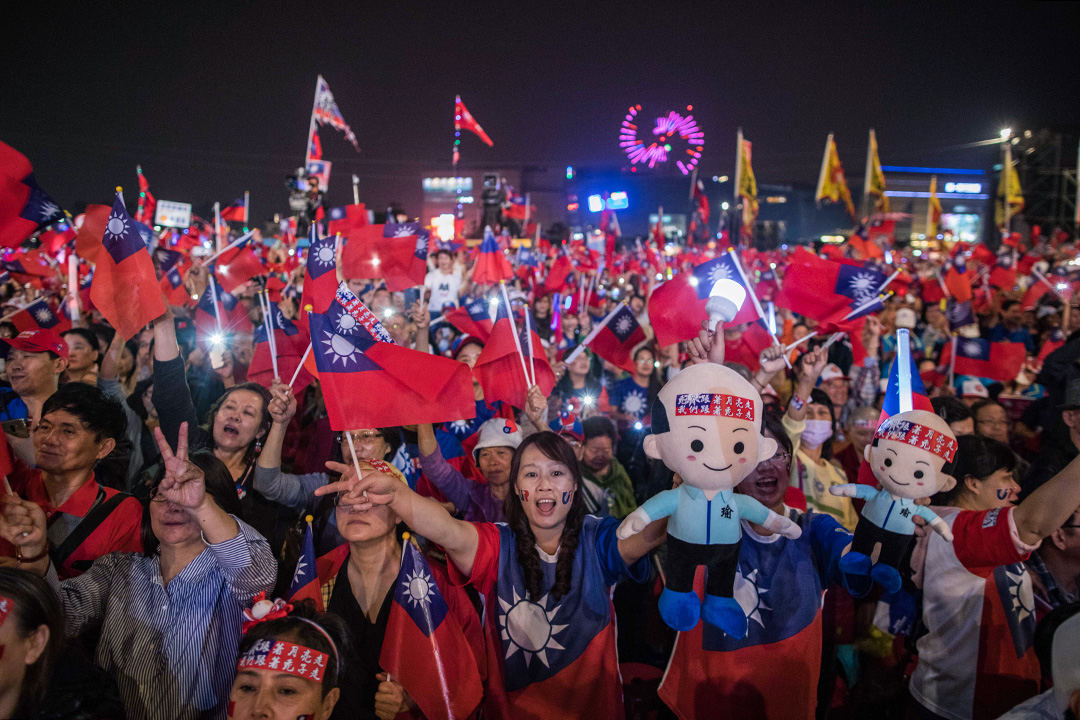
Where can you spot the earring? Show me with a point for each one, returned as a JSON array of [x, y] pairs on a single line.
[[258, 445]]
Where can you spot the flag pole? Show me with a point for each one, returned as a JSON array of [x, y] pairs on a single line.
[[903, 369], [217, 225], [527, 208], [528, 339], [952, 363], [1006, 179], [866, 179], [824, 169], [217, 308], [225, 249], [513, 327], [930, 208], [73, 288], [693, 183], [300, 366], [591, 336], [737, 185], [247, 205], [268, 327], [355, 189]]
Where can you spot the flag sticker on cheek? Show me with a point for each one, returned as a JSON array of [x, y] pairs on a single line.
[[567, 497], [5, 608], [524, 495]]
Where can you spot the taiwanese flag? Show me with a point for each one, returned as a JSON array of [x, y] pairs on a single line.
[[320, 275], [24, 207], [677, 307], [57, 237], [491, 264], [145, 214], [767, 286], [425, 648], [172, 285], [237, 265], [499, 367], [959, 315], [210, 316], [556, 276], [125, 288], [291, 346], [819, 288], [999, 361], [236, 211], [347, 219], [1053, 341], [305, 581], [958, 280], [616, 340], [1004, 273], [368, 381], [395, 252], [981, 254], [315, 148], [472, 317], [463, 120], [39, 316], [28, 267], [518, 210], [1033, 294], [882, 232], [747, 348]]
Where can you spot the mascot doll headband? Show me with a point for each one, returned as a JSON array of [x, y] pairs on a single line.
[[715, 404], [918, 436]]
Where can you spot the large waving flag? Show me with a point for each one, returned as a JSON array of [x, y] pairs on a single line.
[[326, 112], [346, 219], [875, 178], [395, 252], [500, 365], [832, 185], [39, 316], [677, 307], [819, 288], [368, 381], [491, 264], [463, 120], [616, 337], [305, 581], [425, 648], [237, 265], [999, 361], [24, 207], [125, 288]]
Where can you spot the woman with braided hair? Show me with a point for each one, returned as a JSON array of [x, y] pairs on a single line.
[[546, 576]]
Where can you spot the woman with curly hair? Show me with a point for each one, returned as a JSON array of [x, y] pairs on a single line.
[[546, 576]]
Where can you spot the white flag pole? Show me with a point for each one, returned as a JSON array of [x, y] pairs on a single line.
[[300, 366], [243, 238], [528, 338], [513, 326], [591, 336]]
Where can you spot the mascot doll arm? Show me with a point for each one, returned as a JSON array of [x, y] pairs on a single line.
[[936, 523], [853, 490], [658, 506], [753, 511]]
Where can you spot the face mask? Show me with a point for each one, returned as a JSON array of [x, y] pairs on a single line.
[[816, 433]]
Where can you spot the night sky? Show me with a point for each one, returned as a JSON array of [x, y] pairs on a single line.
[[214, 99]]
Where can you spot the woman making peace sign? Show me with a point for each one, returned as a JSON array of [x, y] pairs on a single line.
[[169, 617]]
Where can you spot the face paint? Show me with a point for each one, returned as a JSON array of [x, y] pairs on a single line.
[[231, 709], [1002, 494], [524, 495], [6, 606], [567, 497]]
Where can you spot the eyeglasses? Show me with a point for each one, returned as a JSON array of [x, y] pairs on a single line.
[[362, 437], [156, 496], [780, 458]]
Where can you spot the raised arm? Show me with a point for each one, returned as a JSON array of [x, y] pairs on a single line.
[[172, 397], [451, 483], [1047, 509], [806, 374], [423, 515]]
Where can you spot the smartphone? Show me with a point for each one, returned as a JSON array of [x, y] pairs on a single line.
[[412, 296], [16, 428]]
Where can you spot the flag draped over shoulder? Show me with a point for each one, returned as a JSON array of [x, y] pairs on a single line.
[[125, 288], [832, 185], [24, 207], [425, 648], [368, 381]]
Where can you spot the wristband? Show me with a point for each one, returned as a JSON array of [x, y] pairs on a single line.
[[797, 402], [19, 556]]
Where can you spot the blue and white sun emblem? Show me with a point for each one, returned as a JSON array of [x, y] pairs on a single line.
[[720, 272], [863, 283], [622, 326], [345, 323], [116, 228], [1023, 597], [42, 315], [403, 231], [49, 209], [527, 626], [324, 255], [458, 427], [971, 347], [418, 588], [340, 348], [634, 403], [300, 565], [749, 595]]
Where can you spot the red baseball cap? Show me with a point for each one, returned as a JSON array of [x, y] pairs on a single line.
[[39, 341]]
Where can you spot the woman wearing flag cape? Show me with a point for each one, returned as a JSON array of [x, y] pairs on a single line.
[[546, 576]]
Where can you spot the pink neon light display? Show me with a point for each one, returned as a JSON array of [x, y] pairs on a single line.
[[665, 129]]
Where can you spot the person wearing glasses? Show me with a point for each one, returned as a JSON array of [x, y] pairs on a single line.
[[780, 582], [298, 491]]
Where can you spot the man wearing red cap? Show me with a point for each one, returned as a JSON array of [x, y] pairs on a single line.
[[35, 360]]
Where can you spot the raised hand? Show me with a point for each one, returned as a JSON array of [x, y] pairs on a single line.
[[184, 483], [22, 523], [370, 488], [812, 364], [772, 360], [282, 406], [535, 404]]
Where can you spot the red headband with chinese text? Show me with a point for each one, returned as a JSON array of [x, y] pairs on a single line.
[[918, 436], [286, 657], [715, 404]]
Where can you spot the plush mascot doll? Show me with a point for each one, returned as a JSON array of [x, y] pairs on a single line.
[[907, 456], [706, 426]]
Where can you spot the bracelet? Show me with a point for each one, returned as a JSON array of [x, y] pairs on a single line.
[[797, 402], [19, 556]]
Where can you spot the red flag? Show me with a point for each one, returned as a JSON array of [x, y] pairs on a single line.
[[1033, 294], [1004, 273], [147, 204], [368, 381], [463, 120], [236, 211], [499, 367], [425, 648], [236, 266], [125, 288], [24, 207], [882, 232], [172, 284], [556, 277], [958, 280], [999, 361], [616, 340], [982, 254], [395, 252], [472, 317], [491, 264], [677, 307], [38, 315], [819, 288], [346, 220], [305, 582], [57, 237], [702, 202], [1053, 341], [88, 239], [7, 465]]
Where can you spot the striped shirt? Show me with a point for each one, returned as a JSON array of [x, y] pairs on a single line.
[[171, 649]]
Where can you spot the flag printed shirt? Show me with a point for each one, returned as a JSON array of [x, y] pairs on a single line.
[[629, 397], [977, 659], [773, 671], [551, 658]]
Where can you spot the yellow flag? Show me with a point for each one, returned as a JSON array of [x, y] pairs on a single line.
[[747, 186], [1009, 190], [876, 185], [933, 211], [831, 182]]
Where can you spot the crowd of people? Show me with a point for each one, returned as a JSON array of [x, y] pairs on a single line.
[[159, 501]]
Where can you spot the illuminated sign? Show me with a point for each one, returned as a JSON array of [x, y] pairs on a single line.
[[172, 214], [615, 201], [596, 203], [447, 185], [966, 188]]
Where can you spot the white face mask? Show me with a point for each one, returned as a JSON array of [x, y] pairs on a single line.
[[816, 433]]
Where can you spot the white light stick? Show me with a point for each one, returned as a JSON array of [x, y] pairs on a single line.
[[513, 327], [73, 287], [772, 317], [300, 366], [903, 357], [725, 299], [528, 338], [228, 247], [591, 336]]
